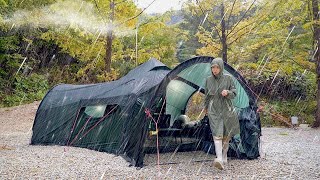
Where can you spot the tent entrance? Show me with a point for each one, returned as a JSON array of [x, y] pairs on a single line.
[[191, 80], [185, 96]]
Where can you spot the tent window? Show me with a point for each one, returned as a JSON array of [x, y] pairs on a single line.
[[110, 109], [99, 111], [95, 111]]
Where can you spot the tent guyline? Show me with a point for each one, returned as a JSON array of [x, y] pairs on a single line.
[[144, 112], [148, 114], [73, 126], [83, 127]]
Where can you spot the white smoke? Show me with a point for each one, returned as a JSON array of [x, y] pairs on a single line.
[[75, 14]]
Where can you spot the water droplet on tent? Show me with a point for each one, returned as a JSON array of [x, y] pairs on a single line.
[[64, 99], [99, 130]]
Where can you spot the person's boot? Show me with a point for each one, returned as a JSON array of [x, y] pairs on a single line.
[[218, 162], [225, 151]]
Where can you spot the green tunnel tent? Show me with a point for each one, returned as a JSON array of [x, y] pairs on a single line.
[[106, 117], [111, 117]]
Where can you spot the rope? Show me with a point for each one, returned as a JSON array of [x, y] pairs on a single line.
[[73, 126], [100, 120], [148, 114], [83, 127]]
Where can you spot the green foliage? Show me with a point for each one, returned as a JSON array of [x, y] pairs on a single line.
[[26, 90], [9, 61], [290, 82], [65, 74], [159, 41], [240, 20], [3, 5], [303, 109], [192, 18], [63, 41]]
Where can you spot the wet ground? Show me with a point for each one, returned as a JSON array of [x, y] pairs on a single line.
[[285, 154]]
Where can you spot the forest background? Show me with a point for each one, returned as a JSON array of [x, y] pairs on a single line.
[[273, 44]]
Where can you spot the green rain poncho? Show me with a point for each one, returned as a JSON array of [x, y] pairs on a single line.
[[222, 115]]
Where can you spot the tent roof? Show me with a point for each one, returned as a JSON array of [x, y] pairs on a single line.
[[137, 81]]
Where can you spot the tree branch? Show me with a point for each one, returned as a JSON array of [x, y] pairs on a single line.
[[216, 48], [234, 2], [243, 33], [136, 15], [120, 2], [214, 26], [245, 27], [241, 18], [96, 4]]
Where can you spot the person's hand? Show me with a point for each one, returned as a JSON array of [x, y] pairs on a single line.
[[224, 93], [205, 111]]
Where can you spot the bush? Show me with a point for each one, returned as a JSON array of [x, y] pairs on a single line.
[[280, 85], [274, 111], [287, 92], [26, 90]]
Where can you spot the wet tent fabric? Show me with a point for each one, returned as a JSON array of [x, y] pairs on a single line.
[[189, 78], [106, 117], [111, 117]]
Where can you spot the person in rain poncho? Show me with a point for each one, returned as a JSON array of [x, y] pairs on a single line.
[[223, 119]]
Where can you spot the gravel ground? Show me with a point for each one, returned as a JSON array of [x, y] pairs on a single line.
[[285, 154]]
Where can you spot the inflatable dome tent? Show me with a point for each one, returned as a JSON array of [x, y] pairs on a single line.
[[120, 117]]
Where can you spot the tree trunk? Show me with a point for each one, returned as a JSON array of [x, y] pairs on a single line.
[[223, 36], [108, 51], [316, 36], [109, 40]]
